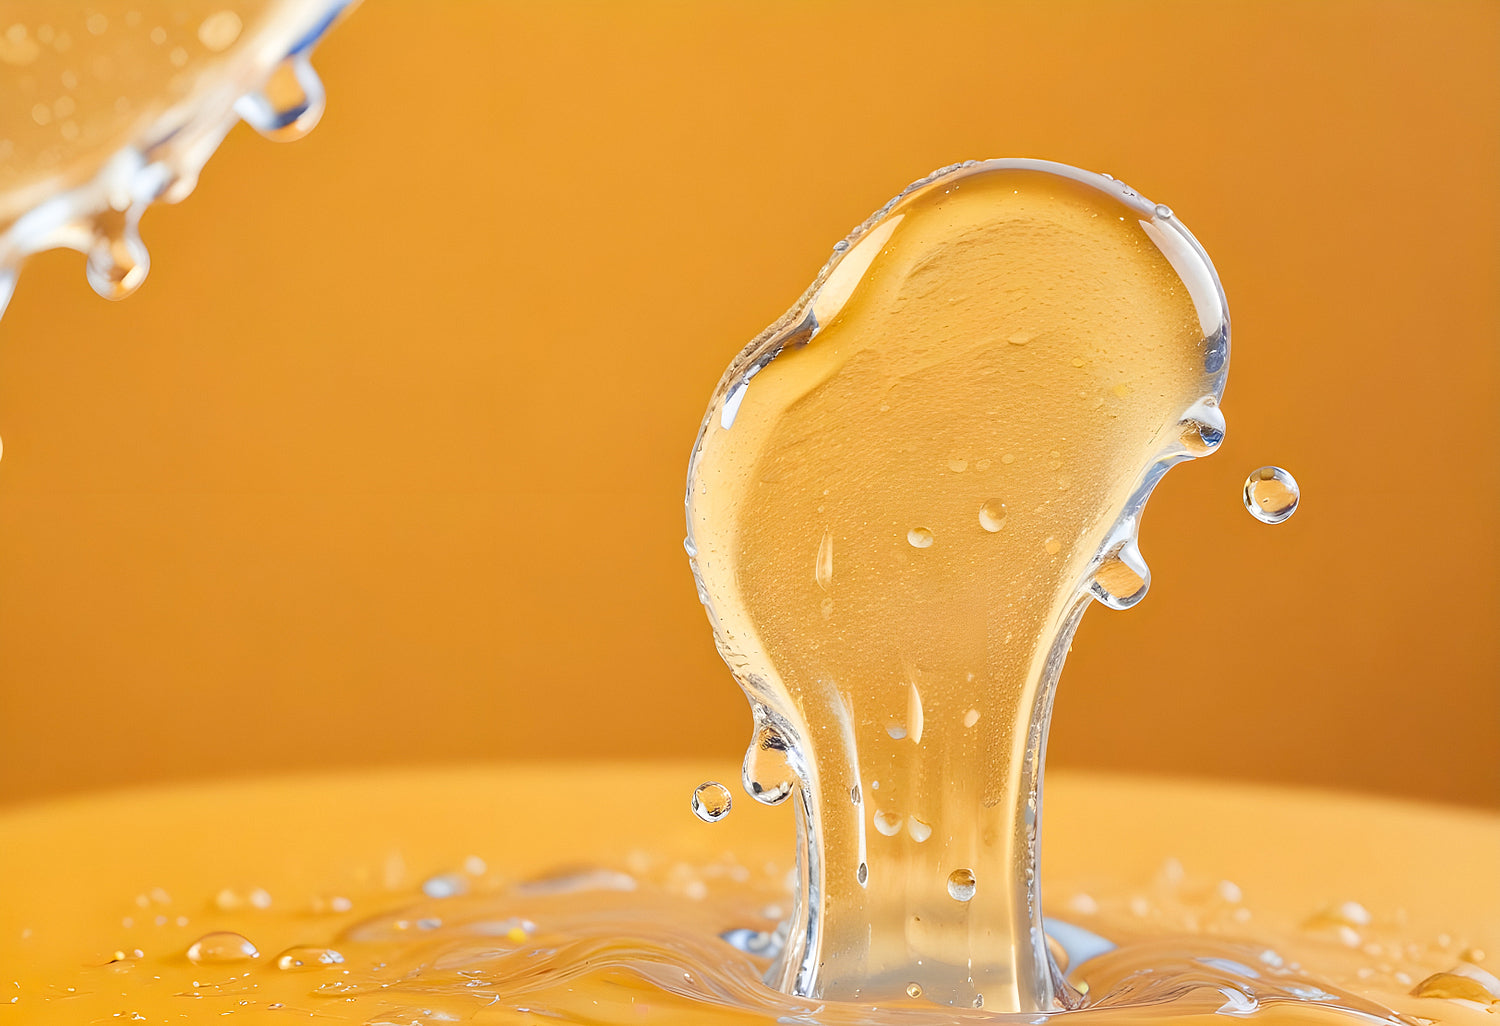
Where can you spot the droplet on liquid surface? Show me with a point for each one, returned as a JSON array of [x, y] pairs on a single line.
[[992, 515], [1271, 494], [221, 947], [712, 801], [919, 538], [301, 958], [961, 884]]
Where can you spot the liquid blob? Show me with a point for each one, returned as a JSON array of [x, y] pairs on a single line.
[[970, 407], [1271, 495], [712, 801]]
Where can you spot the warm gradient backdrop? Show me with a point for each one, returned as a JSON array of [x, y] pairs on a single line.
[[384, 463]]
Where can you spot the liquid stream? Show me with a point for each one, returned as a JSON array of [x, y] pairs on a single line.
[[903, 497]]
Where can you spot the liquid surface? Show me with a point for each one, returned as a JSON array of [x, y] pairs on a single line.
[[903, 496], [424, 898]]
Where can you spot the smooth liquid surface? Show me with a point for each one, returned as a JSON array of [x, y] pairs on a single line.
[[903, 496]]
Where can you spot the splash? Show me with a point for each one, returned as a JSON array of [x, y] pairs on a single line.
[[109, 108], [903, 497]]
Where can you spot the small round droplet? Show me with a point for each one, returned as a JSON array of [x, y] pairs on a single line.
[[919, 537], [712, 801], [1053, 546], [1271, 495], [913, 990], [961, 884], [919, 829], [301, 958], [1163, 211], [223, 946], [992, 515], [888, 823]]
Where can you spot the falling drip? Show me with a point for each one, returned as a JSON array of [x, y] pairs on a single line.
[[290, 103], [1202, 428], [117, 259], [1122, 577], [767, 773]]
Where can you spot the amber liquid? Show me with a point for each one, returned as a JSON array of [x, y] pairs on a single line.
[[901, 499]]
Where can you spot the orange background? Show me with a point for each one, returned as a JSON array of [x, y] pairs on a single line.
[[384, 463]]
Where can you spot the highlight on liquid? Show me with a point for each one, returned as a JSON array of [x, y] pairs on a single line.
[[904, 495]]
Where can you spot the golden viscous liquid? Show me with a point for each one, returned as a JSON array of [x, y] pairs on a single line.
[[591, 894], [904, 495]]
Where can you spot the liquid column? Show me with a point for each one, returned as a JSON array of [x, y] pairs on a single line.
[[903, 496]]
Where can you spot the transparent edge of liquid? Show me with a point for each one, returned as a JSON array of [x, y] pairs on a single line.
[[101, 217], [796, 972]]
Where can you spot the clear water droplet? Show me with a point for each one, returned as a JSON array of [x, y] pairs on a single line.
[[712, 801], [961, 884], [992, 515], [302, 958], [767, 773], [1271, 495], [919, 537], [219, 947], [290, 103]]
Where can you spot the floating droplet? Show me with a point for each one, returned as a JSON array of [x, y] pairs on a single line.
[[823, 566], [1053, 546], [1271, 494], [919, 537], [712, 801], [767, 773], [961, 884], [1163, 211], [992, 515], [300, 958], [290, 103], [913, 990], [223, 946]]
